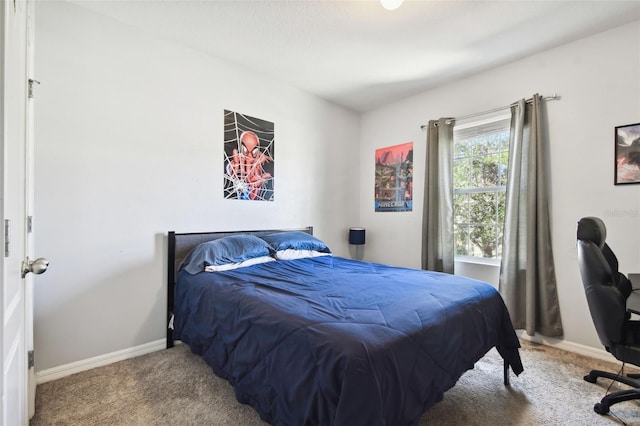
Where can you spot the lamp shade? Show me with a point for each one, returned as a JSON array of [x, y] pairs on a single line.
[[356, 236]]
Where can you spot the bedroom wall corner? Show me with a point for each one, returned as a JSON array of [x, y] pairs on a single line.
[[597, 80], [129, 131]]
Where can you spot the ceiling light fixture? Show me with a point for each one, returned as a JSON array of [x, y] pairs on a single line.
[[391, 4]]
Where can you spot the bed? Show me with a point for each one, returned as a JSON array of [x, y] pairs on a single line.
[[317, 339]]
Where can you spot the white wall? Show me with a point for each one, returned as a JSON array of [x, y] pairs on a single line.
[[129, 146], [129, 133], [598, 79]]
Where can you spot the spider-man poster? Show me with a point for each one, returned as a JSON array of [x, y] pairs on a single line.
[[394, 178], [248, 157]]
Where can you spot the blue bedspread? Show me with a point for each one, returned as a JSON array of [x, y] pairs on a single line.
[[333, 341]]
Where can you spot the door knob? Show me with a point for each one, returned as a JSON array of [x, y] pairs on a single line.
[[37, 266]]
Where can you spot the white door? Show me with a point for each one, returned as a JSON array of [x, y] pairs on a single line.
[[29, 205], [15, 303]]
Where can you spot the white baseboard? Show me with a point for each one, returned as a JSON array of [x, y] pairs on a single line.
[[568, 346], [99, 361], [61, 371]]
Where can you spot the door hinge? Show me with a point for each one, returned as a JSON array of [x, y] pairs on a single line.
[[31, 81], [30, 359], [29, 224], [6, 237]]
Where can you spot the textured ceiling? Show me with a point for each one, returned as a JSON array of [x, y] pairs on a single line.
[[357, 54]]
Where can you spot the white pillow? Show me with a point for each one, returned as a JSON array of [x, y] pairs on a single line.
[[230, 266], [291, 254]]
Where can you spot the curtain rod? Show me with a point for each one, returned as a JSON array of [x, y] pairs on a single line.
[[544, 98]]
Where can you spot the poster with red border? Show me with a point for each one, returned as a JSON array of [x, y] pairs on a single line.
[[394, 178]]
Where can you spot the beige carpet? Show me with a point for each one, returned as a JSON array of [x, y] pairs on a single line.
[[175, 387]]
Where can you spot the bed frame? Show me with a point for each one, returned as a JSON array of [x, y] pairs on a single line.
[[181, 244]]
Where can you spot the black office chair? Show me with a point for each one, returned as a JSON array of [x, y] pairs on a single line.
[[607, 291]]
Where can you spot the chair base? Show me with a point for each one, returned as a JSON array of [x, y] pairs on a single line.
[[605, 403]]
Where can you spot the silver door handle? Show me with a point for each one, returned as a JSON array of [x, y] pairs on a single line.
[[37, 266]]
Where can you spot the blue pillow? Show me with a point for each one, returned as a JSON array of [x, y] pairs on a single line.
[[225, 250], [296, 240]]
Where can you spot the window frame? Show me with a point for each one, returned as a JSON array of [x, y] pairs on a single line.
[[496, 122]]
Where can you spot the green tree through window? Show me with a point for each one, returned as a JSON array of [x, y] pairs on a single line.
[[480, 160]]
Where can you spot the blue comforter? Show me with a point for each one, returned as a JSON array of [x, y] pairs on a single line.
[[333, 341]]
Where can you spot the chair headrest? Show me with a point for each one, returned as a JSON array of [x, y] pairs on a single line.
[[592, 229]]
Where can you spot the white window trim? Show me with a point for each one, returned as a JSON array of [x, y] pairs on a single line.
[[477, 260], [477, 123]]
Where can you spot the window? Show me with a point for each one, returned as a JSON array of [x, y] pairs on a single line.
[[480, 160]]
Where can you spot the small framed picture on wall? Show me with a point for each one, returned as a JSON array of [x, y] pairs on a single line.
[[627, 154]]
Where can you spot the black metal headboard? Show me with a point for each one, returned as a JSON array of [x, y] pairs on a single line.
[[181, 244]]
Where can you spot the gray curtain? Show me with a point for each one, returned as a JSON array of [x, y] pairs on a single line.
[[437, 212], [527, 272]]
